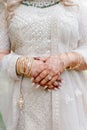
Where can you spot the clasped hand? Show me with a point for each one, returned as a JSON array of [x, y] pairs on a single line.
[[46, 72]]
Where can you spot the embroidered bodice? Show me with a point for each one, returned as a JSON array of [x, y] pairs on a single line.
[[43, 31]]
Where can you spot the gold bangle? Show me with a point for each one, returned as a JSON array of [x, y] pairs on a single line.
[[28, 68], [26, 61], [31, 67], [24, 65], [77, 66], [21, 65], [70, 67], [18, 66]]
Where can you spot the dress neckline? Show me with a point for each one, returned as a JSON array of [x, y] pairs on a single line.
[[40, 3]]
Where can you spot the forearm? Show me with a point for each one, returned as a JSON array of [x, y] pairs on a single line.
[[73, 61]]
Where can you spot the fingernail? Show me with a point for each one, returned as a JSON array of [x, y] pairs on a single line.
[[37, 86], [63, 81], [32, 79], [56, 89], [45, 87], [33, 84], [59, 86], [49, 90]]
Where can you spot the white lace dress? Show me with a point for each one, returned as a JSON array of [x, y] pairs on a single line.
[[41, 32]]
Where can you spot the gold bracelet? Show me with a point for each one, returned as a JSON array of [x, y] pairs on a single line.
[[20, 65], [32, 60], [77, 66], [24, 65], [28, 67], [17, 66]]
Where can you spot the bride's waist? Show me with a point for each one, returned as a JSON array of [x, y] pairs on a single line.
[[34, 53], [39, 51]]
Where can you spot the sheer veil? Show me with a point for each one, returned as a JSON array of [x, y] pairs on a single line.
[[6, 89]]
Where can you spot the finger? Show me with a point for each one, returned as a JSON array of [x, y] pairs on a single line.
[[59, 79], [57, 85], [41, 76], [37, 73], [50, 87], [53, 80], [46, 79]]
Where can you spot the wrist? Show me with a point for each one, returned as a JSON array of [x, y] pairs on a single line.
[[64, 58], [71, 57], [24, 65], [74, 61]]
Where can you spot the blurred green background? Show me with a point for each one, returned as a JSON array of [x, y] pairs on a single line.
[[2, 124]]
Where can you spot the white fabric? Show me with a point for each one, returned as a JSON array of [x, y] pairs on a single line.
[[83, 32], [43, 32], [8, 61]]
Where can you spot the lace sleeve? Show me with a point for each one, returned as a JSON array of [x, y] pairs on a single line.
[[82, 44], [8, 62]]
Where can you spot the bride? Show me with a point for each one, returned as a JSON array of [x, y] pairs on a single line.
[[43, 50]]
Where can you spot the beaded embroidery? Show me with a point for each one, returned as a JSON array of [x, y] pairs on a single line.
[[40, 3]]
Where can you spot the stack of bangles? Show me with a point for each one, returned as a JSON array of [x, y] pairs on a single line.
[[24, 65], [75, 64]]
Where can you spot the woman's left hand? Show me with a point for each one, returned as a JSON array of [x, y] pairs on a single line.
[[55, 68]]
